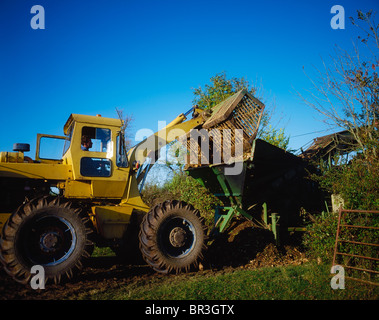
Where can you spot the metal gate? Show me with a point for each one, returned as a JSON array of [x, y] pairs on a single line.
[[356, 245]]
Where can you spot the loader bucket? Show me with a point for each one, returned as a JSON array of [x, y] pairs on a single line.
[[228, 134]]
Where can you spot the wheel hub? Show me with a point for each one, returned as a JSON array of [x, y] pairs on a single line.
[[178, 237], [49, 241]]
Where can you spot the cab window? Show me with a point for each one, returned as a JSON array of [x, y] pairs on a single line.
[[96, 139], [121, 156], [95, 167], [68, 140]]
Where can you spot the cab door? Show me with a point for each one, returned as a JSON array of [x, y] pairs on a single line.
[[100, 167]]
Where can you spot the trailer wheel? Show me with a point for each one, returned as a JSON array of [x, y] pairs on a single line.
[[47, 233], [172, 237]]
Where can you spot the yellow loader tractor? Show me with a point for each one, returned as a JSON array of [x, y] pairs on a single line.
[[54, 208]]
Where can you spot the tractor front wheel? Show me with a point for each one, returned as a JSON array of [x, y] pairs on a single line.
[[48, 233], [172, 237]]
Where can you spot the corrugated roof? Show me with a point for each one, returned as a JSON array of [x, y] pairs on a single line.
[[341, 142]]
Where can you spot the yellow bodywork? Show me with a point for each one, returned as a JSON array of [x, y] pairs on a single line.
[[111, 221], [3, 218], [115, 196]]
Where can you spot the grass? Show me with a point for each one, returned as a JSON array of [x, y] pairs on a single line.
[[102, 252], [304, 282]]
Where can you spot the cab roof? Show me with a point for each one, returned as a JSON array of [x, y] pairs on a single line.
[[97, 120]]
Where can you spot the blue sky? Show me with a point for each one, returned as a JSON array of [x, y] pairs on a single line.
[[145, 57]]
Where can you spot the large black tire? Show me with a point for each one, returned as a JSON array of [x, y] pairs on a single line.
[[172, 237], [48, 233]]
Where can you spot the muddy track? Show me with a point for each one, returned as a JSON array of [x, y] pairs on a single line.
[[99, 272], [240, 248]]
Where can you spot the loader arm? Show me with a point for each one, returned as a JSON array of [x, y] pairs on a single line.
[[175, 129], [149, 149]]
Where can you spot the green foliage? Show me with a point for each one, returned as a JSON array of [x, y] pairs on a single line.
[[276, 137], [320, 236], [185, 188], [102, 252], [220, 88], [357, 182], [362, 235]]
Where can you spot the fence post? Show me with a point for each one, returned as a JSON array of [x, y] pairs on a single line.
[[337, 235]]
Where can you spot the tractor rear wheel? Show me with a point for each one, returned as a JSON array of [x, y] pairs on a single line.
[[172, 237], [48, 233]]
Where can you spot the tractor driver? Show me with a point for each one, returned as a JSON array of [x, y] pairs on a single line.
[[86, 143]]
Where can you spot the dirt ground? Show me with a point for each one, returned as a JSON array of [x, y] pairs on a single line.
[[242, 247]]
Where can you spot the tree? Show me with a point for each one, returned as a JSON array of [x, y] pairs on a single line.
[[125, 128], [220, 88], [345, 92], [277, 137]]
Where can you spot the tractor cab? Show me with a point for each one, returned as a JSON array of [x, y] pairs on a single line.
[[94, 140], [94, 148]]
